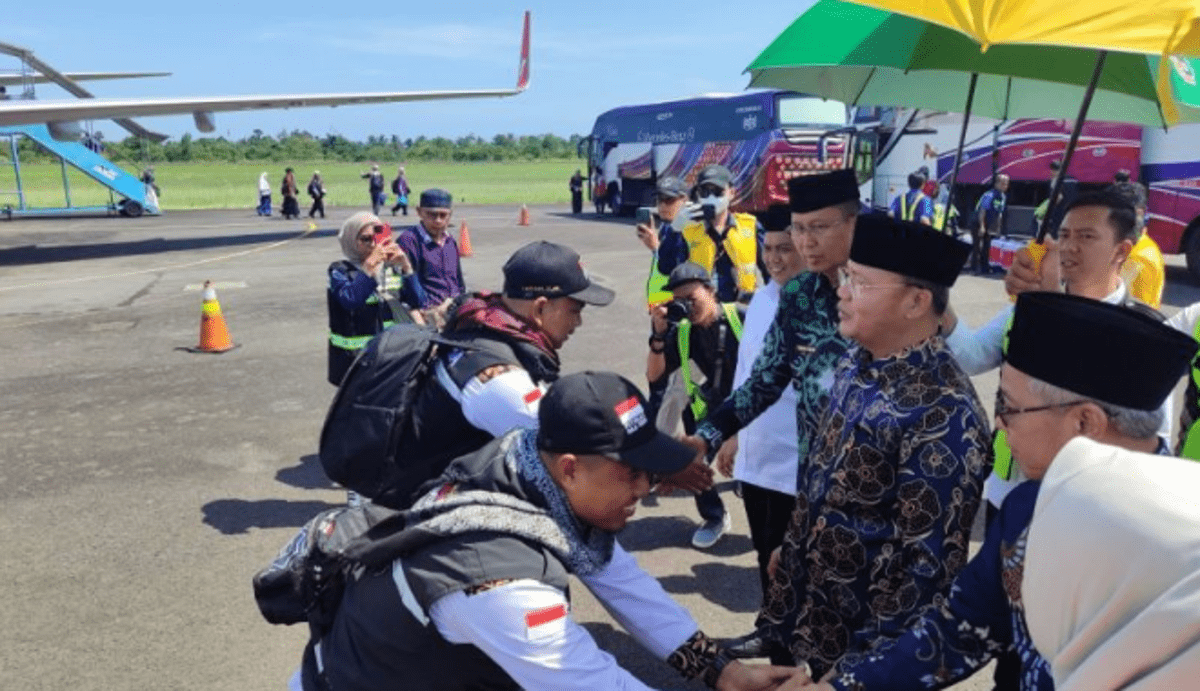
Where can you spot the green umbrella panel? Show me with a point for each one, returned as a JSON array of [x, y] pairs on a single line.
[[864, 56]]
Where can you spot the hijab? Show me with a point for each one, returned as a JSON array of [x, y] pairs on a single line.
[[348, 235], [1112, 570]]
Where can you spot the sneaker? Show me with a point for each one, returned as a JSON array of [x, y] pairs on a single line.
[[707, 535]]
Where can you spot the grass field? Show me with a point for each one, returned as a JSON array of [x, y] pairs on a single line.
[[235, 185]]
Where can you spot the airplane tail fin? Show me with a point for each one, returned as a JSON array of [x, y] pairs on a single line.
[[523, 66]]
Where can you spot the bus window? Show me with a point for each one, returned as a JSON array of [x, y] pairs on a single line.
[[809, 110], [864, 156]]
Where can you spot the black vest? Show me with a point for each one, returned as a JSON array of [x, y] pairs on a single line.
[[378, 642], [440, 431], [352, 327]]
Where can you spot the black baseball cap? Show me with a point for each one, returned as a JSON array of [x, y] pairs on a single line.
[[714, 174], [545, 269], [671, 187], [685, 273], [604, 413]]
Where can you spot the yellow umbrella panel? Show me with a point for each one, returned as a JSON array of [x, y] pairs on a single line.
[[1153, 27]]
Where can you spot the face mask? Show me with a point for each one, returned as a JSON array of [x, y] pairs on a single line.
[[719, 204]]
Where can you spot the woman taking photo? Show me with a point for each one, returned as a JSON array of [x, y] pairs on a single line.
[[369, 290]]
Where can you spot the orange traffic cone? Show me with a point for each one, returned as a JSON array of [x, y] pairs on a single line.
[[214, 336], [464, 241], [523, 220]]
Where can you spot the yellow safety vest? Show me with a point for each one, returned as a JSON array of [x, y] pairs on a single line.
[[684, 333], [740, 243], [1144, 272]]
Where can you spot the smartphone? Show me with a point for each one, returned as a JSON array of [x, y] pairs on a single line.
[[646, 216], [382, 234]]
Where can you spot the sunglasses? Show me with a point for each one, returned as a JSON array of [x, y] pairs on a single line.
[[380, 232], [707, 190]]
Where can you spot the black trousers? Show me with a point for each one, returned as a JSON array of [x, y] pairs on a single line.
[[318, 207], [768, 512], [576, 202], [981, 244]]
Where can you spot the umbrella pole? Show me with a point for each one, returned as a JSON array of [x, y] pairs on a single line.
[[1075, 132], [962, 141]]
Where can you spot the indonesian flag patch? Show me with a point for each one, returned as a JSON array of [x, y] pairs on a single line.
[[545, 622], [532, 397], [631, 414]]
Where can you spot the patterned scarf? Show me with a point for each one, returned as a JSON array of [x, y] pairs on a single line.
[[449, 510], [486, 310]]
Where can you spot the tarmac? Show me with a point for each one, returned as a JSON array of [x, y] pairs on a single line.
[[142, 485]]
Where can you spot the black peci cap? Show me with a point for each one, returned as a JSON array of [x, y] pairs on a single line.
[[604, 413], [1109, 353], [778, 218], [909, 249], [811, 192], [544, 269]]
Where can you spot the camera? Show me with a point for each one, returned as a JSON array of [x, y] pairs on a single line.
[[678, 310]]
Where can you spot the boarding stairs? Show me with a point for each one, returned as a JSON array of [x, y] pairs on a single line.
[[128, 195]]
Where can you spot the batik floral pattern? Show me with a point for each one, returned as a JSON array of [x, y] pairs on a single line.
[[885, 504], [801, 349]]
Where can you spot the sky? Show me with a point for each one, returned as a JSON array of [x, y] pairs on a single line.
[[585, 59]]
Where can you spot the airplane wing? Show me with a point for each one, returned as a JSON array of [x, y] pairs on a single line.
[[16, 79], [58, 113]]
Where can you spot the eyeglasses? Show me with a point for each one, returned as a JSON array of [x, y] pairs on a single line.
[[1004, 412], [856, 287]]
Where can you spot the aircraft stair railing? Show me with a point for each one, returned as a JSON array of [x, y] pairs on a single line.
[[131, 190]]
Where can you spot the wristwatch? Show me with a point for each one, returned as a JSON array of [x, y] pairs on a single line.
[[713, 673], [657, 339]]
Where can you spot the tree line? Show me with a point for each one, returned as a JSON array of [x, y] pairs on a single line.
[[302, 146]]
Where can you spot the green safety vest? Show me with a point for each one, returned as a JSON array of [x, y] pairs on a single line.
[[656, 290], [1002, 462], [1191, 441], [907, 212], [695, 397]]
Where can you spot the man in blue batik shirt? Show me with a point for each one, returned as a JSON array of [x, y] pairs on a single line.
[[887, 494], [1049, 393]]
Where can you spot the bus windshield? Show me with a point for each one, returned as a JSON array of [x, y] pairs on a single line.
[[810, 110]]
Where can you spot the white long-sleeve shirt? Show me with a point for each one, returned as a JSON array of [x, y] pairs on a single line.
[[767, 453], [526, 628]]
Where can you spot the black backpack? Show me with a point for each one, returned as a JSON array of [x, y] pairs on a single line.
[[372, 412], [396, 186], [306, 580]]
